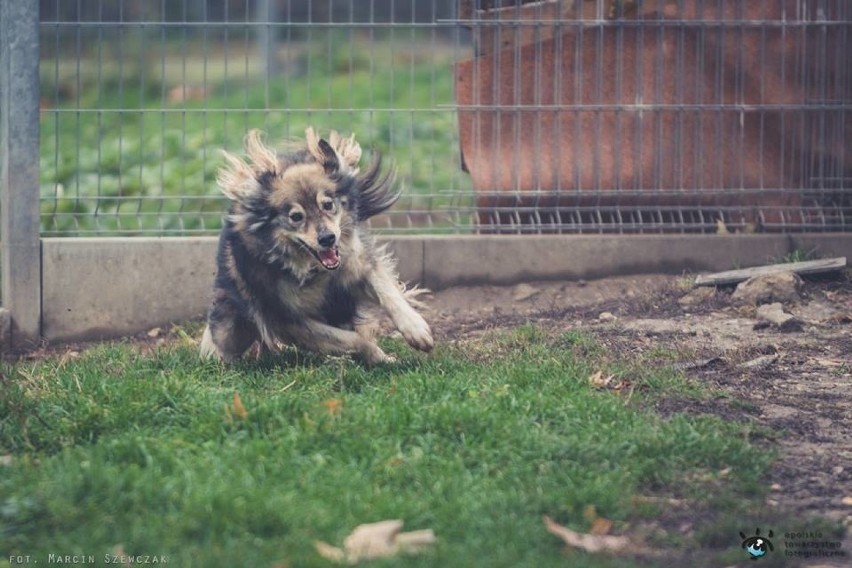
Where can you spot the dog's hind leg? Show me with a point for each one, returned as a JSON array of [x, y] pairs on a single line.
[[227, 336], [323, 338], [410, 324], [367, 322]]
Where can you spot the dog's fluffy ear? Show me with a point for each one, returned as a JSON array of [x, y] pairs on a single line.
[[375, 190], [338, 155], [322, 152], [244, 180], [348, 150], [328, 158]]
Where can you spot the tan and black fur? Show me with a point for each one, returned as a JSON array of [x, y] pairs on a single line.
[[295, 262]]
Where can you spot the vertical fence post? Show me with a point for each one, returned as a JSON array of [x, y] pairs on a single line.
[[267, 13], [19, 175]]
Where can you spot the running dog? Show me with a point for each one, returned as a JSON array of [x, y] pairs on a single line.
[[296, 263]]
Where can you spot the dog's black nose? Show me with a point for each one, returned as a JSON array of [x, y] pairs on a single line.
[[326, 238]]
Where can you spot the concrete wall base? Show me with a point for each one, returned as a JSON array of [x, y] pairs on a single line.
[[97, 288]]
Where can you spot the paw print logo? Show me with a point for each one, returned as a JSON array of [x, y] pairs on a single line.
[[757, 546]]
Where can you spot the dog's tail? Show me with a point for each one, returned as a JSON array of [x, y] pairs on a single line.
[[375, 189], [413, 293]]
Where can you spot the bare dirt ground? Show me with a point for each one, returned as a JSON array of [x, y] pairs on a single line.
[[797, 384]]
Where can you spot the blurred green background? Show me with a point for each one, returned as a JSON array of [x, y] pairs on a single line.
[[136, 106]]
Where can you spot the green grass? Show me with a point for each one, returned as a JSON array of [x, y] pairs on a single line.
[[118, 156], [797, 255], [143, 449]]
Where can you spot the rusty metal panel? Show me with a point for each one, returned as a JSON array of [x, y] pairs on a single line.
[[676, 118]]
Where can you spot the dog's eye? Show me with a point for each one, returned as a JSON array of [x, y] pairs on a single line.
[[297, 217], [328, 205]]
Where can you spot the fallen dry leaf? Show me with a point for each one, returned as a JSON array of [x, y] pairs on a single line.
[[329, 552], [239, 409], [376, 540], [372, 540], [598, 381], [591, 543], [333, 406], [847, 501], [601, 526]]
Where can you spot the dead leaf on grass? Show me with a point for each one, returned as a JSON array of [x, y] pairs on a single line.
[[599, 381], [333, 406], [237, 409], [600, 525], [592, 543], [376, 540], [329, 552]]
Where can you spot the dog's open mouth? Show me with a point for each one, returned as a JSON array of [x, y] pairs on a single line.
[[329, 258]]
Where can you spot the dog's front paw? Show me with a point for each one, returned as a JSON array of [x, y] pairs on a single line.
[[416, 331], [373, 355]]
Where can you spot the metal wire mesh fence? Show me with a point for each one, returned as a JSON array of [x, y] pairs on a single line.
[[139, 96], [501, 116]]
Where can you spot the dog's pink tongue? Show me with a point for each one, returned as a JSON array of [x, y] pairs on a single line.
[[329, 258]]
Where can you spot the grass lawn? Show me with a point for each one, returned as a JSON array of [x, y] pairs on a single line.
[[144, 448]]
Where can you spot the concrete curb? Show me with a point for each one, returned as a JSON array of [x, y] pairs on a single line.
[[95, 288]]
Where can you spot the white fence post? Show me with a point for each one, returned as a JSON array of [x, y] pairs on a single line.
[[19, 170]]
